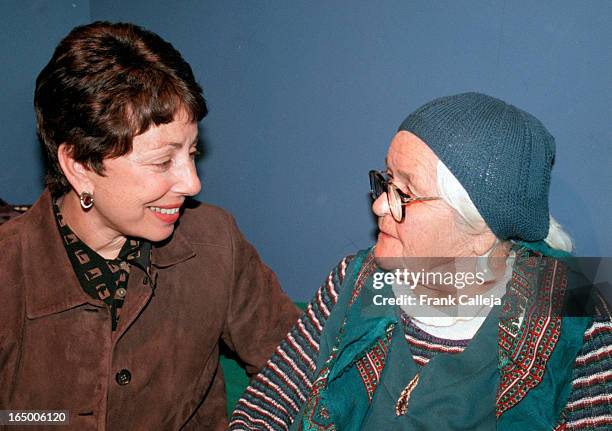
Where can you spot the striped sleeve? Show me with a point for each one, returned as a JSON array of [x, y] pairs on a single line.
[[590, 403], [277, 393]]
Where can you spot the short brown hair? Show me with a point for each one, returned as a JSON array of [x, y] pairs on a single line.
[[105, 84]]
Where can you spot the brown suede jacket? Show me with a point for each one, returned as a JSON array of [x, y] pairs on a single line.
[[160, 369]]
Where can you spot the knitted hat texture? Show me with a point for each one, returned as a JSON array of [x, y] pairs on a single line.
[[501, 155]]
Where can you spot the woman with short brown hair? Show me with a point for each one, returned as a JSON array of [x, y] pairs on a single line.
[[118, 288]]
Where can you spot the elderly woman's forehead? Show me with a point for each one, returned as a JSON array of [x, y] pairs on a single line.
[[409, 150]]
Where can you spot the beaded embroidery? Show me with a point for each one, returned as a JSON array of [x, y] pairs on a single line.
[[529, 330], [371, 364]]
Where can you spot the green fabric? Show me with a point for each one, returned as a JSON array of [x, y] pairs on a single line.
[[346, 402], [236, 381], [536, 411], [455, 392], [360, 333], [236, 378], [544, 249]]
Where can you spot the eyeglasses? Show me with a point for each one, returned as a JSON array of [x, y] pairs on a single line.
[[397, 199]]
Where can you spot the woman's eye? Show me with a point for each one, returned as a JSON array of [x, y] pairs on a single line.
[[194, 154], [165, 164], [405, 190], [409, 192]]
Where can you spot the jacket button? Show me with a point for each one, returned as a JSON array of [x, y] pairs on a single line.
[[145, 280], [123, 377]]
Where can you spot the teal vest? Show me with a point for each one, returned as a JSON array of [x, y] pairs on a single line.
[[510, 377]]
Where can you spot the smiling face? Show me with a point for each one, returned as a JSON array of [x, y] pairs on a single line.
[[429, 228], [140, 193]]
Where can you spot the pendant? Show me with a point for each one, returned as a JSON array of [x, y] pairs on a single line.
[[402, 403]]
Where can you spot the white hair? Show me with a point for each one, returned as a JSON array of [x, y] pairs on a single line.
[[455, 195]]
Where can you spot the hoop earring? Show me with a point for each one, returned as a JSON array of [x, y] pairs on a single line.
[[87, 200]]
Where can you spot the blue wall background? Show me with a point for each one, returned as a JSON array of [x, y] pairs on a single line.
[[305, 96]]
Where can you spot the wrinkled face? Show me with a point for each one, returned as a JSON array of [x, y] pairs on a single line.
[[141, 193], [429, 228]]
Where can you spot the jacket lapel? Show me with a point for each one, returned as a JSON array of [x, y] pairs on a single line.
[[44, 258]]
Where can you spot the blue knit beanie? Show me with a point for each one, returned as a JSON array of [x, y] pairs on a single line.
[[500, 154]]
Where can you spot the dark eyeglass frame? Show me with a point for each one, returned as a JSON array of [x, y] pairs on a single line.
[[396, 198]]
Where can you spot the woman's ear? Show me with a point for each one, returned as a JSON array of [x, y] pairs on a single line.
[[483, 242], [76, 173]]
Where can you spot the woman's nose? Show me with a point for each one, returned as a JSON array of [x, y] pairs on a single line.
[[380, 206], [188, 182]]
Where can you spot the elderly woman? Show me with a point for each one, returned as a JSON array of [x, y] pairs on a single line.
[[466, 188], [117, 289]]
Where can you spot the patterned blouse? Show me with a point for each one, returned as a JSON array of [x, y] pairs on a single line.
[[104, 279]]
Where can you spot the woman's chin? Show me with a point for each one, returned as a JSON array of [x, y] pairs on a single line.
[[384, 257], [155, 233]]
